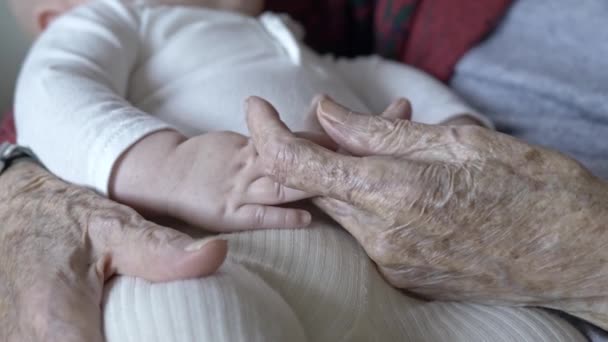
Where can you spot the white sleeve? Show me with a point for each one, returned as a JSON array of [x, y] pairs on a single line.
[[378, 82], [70, 105]]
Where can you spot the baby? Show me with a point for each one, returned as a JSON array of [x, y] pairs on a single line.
[[128, 91], [143, 101]]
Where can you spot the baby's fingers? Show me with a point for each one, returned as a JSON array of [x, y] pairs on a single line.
[[266, 191], [256, 216]]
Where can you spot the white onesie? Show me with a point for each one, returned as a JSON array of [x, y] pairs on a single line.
[[106, 74]]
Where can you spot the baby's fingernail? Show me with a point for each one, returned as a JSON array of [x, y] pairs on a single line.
[[198, 244], [305, 218]]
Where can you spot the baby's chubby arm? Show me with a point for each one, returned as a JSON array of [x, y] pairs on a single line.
[[71, 109], [378, 81], [70, 103], [214, 180]]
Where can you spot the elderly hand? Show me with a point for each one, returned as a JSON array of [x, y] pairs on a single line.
[[453, 212], [59, 243]]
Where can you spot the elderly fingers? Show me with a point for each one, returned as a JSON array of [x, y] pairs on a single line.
[[264, 124], [305, 166], [377, 184], [299, 163], [352, 131], [400, 109], [374, 135]]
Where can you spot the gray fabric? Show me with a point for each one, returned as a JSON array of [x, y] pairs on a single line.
[[542, 76]]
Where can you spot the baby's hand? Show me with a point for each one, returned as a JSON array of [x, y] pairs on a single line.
[[217, 182]]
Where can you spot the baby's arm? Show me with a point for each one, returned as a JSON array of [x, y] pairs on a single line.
[[71, 110], [70, 104], [378, 82]]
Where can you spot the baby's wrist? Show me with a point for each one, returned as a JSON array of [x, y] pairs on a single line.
[[141, 177]]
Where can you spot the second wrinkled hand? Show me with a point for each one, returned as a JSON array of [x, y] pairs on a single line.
[[453, 212]]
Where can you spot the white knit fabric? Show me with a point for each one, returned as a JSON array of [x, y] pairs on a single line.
[[107, 74], [306, 285]]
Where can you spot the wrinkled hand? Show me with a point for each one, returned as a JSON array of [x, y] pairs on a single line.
[[453, 212], [59, 243]]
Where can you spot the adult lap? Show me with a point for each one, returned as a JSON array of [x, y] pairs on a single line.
[[519, 102], [306, 285]]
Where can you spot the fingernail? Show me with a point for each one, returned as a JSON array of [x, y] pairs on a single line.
[[332, 111], [198, 244], [305, 218]]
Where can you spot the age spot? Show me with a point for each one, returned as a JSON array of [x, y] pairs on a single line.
[[533, 156]]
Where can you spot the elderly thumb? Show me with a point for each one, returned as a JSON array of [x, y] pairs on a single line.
[[361, 134], [161, 254]]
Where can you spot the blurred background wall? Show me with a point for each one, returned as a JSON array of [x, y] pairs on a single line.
[[13, 46]]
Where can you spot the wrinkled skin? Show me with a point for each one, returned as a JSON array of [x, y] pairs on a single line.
[[59, 243], [453, 212]]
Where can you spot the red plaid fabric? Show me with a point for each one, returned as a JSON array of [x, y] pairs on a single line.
[[429, 34], [7, 130], [442, 31]]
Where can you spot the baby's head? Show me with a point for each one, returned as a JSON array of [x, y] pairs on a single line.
[[35, 15]]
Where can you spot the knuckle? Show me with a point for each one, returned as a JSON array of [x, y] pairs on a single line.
[[378, 124], [389, 135], [155, 236], [379, 248], [444, 187], [401, 125], [474, 135], [282, 158], [108, 224], [104, 229], [392, 140]]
